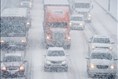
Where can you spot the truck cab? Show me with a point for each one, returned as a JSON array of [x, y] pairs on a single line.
[[56, 24], [14, 28]]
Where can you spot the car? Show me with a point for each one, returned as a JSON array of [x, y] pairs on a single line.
[[13, 65], [100, 42], [77, 22], [101, 63], [56, 58], [26, 3]]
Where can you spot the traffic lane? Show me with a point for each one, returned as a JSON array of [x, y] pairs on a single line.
[[78, 53], [103, 23]]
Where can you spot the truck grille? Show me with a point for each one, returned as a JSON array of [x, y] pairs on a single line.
[[12, 67], [102, 66], [56, 62]]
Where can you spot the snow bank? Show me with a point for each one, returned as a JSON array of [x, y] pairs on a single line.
[[110, 7]]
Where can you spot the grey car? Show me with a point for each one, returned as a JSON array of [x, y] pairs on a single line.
[[14, 65]]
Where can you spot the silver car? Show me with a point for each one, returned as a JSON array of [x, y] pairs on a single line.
[[13, 65], [55, 59], [100, 42], [77, 22], [101, 63]]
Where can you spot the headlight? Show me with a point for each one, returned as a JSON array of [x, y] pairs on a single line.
[[48, 62], [81, 24], [89, 15], [70, 23], [112, 67], [68, 37], [2, 41], [22, 68], [4, 68], [93, 47], [28, 23], [64, 62], [48, 37], [92, 66], [110, 48], [23, 41]]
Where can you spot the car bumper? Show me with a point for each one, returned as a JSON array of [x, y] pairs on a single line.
[[102, 72], [12, 73], [62, 44], [18, 45]]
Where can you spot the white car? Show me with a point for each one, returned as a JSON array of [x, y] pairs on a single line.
[[55, 59], [101, 63], [77, 22], [99, 41]]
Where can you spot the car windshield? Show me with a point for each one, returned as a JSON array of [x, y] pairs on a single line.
[[56, 53], [101, 40], [101, 56], [58, 24], [76, 18], [82, 5], [12, 59]]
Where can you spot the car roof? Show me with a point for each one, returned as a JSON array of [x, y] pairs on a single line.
[[101, 36], [56, 48], [56, 2], [20, 54], [101, 51]]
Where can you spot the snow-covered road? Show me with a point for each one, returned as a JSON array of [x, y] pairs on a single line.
[[102, 23]]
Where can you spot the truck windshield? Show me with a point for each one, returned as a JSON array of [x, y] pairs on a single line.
[[12, 27], [82, 5], [76, 18], [58, 24]]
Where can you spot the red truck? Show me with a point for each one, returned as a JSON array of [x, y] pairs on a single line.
[[56, 23]]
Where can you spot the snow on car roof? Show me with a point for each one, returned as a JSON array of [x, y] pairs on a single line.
[[17, 53], [56, 48], [56, 2], [101, 36], [22, 12]]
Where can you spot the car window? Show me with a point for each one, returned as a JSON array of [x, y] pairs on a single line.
[[56, 53], [101, 40], [12, 59], [101, 56]]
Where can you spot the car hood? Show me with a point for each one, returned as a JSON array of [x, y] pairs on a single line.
[[101, 62], [76, 22], [56, 58], [101, 45], [13, 39], [82, 9], [12, 64]]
